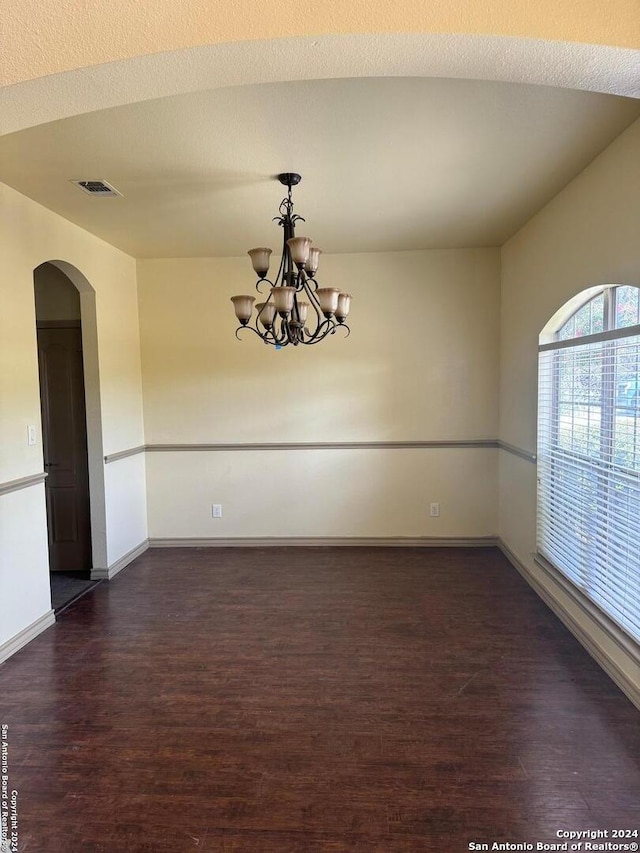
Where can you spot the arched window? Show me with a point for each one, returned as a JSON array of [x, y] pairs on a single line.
[[589, 450]]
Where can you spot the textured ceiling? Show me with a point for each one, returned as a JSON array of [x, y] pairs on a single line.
[[47, 38], [565, 65], [388, 164]]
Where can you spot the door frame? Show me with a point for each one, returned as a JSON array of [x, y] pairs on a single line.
[[93, 407]]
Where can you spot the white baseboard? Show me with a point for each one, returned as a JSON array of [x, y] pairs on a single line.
[[328, 541], [10, 647], [111, 571], [612, 669]]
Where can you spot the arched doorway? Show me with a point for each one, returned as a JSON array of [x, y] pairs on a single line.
[[71, 434]]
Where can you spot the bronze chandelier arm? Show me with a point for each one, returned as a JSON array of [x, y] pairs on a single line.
[[313, 299], [273, 341], [331, 331], [260, 281], [322, 330]]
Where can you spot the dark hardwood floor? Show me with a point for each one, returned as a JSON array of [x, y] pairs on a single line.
[[314, 700]]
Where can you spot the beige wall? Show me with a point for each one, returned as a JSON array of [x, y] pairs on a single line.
[[425, 373], [587, 235], [32, 235], [370, 493]]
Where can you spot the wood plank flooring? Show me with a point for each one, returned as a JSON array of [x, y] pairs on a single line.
[[313, 700]]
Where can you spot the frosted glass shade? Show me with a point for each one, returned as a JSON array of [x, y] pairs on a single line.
[[328, 299], [243, 306], [344, 304], [260, 260], [301, 314], [283, 298], [311, 265], [299, 248], [266, 313]]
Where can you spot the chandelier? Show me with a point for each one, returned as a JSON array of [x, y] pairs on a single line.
[[294, 297]]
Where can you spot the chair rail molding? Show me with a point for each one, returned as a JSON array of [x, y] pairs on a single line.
[[22, 483]]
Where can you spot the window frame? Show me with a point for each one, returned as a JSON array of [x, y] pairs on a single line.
[[591, 572]]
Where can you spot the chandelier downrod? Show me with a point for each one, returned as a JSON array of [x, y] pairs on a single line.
[[294, 295]]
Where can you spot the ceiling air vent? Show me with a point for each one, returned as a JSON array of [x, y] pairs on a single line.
[[97, 188]]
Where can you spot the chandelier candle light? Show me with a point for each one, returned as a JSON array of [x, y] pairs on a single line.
[[295, 296]]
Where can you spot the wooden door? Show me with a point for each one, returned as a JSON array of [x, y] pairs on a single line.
[[64, 428]]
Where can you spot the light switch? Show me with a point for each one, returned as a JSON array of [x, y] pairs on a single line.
[[31, 435]]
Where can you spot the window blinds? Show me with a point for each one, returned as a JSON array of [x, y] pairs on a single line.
[[589, 468]]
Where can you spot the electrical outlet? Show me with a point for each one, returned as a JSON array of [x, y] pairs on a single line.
[[216, 510], [434, 510]]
